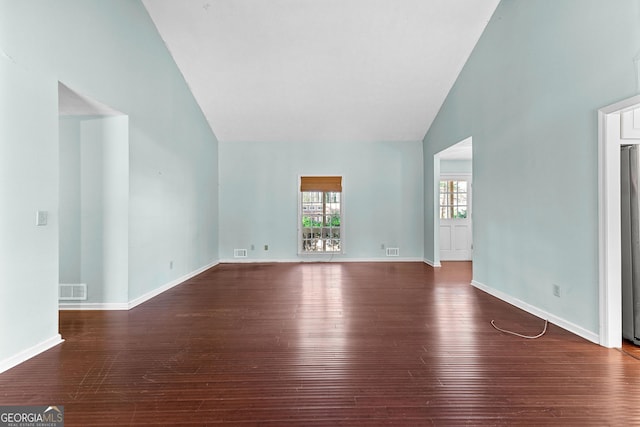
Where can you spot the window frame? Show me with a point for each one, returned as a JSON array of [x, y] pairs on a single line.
[[299, 236], [456, 177]]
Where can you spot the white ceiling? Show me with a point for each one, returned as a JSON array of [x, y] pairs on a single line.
[[463, 150], [320, 70]]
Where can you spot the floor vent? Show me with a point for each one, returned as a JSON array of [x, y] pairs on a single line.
[[239, 253], [75, 291], [393, 252]]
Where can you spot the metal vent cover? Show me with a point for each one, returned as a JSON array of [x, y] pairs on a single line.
[[393, 251], [72, 291], [239, 253]]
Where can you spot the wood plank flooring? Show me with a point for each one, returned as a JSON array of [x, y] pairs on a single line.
[[325, 344]]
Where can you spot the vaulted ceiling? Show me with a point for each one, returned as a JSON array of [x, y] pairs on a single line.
[[320, 70]]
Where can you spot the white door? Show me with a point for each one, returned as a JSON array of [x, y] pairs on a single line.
[[456, 243]]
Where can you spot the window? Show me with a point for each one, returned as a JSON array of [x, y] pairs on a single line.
[[320, 214], [453, 199]]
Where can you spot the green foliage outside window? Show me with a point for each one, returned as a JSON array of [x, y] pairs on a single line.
[[309, 222]]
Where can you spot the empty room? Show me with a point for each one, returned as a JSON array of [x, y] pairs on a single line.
[[319, 212]]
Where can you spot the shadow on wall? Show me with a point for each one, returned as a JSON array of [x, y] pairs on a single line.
[[93, 200]]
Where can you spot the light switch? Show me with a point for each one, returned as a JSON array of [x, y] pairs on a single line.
[[41, 217]]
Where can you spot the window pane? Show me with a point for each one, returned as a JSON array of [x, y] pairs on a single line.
[[461, 212], [453, 199], [321, 221], [332, 197]]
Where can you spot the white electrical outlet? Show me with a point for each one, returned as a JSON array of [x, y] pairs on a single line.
[[41, 217]]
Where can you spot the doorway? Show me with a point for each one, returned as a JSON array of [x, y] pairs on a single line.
[[93, 203], [453, 215], [618, 124]]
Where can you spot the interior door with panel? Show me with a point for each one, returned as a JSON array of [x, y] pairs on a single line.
[[456, 242]]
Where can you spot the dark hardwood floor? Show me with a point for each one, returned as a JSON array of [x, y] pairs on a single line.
[[325, 344]]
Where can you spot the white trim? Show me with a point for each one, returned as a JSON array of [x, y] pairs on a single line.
[[436, 209], [139, 300], [558, 321], [146, 297], [310, 259], [27, 354], [458, 176], [93, 306], [431, 263], [622, 106], [258, 261], [383, 259], [609, 234]]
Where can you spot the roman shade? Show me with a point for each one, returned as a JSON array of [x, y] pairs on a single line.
[[321, 183]]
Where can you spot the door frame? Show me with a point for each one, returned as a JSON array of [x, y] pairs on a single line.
[[436, 200], [461, 176], [609, 227]]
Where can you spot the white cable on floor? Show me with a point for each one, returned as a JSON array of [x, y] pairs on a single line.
[[546, 322]]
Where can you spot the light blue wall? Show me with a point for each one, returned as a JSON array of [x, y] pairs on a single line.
[[529, 96], [28, 183], [111, 52], [111, 135], [69, 201], [455, 166], [94, 211], [382, 187]]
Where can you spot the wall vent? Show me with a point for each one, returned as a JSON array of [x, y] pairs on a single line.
[[72, 291], [239, 253], [393, 251]]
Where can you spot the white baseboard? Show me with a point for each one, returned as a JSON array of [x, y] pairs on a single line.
[[255, 260], [325, 258], [27, 354], [136, 301], [431, 263], [93, 306], [385, 259], [146, 297], [558, 321]]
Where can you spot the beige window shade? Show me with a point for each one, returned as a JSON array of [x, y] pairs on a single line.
[[321, 183]]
